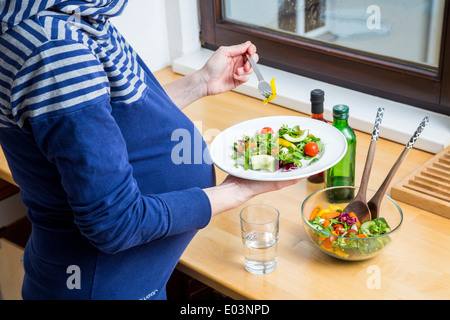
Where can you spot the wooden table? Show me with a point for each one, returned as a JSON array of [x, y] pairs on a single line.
[[415, 266], [5, 173]]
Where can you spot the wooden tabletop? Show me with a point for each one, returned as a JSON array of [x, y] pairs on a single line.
[[415, 266], [5, 173]]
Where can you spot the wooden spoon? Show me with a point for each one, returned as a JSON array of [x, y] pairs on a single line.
[[359, 204], [375, 203]]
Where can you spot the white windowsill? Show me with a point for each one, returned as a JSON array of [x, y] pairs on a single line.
[[399, 123]]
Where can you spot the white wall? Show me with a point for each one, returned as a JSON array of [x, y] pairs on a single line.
[[160, 30]]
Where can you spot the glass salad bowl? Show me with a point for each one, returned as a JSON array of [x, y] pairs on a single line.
[[341, 235]]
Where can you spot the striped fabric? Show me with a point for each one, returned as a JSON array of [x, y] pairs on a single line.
[[57, 55]]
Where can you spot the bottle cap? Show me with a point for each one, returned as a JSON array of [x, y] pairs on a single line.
[[340, 111], [317, 98]]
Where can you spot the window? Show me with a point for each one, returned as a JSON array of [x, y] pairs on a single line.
[[392, 49]]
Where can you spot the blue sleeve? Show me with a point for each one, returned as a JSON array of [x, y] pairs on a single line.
[[88, 149]]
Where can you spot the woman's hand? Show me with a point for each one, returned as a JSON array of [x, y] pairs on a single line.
[[235, 191], [228, 68]]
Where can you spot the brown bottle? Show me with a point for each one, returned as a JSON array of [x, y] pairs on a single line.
[[317, 99]]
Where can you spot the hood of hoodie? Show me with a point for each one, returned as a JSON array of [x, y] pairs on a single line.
[[13, 12]]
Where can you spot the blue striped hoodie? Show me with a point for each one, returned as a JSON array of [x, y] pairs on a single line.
[[88, 134]]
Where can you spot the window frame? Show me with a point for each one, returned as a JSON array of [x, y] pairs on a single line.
[[373, 75]]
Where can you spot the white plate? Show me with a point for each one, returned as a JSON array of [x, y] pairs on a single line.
[[334, 147]]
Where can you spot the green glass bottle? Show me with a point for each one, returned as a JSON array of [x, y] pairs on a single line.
[[343, 173]]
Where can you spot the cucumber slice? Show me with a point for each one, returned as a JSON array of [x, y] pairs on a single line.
[[365, 226], [263, 162], [299, 138]]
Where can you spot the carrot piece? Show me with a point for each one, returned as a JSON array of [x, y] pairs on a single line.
[[353, 215], [362, 235], [275, 152], [326, 223], [315, 211], [330, 215]]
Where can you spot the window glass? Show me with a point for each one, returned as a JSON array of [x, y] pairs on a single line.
[[405, 31]]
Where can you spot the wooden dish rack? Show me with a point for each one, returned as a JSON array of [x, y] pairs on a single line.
[[428, 187]]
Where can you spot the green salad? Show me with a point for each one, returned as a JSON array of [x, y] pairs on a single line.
[[272, 151], [342, 234]]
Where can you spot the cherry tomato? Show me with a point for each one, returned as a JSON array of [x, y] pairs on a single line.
[[328, 241], [351, 231], [267, 130], [339, 228], [311, 149]]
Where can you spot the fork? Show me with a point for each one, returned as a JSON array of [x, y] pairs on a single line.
[[263, 86]]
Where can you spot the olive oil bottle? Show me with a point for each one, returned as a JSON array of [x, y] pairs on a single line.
[[343, 173]]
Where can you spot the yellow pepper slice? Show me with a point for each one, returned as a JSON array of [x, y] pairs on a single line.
[[284, 143], [274, 92], [336, 251], [324, 211], [336, 208]]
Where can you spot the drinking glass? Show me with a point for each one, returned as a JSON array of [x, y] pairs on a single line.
[[259, 230]]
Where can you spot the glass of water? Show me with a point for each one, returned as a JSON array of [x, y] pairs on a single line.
[[259, 230]]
